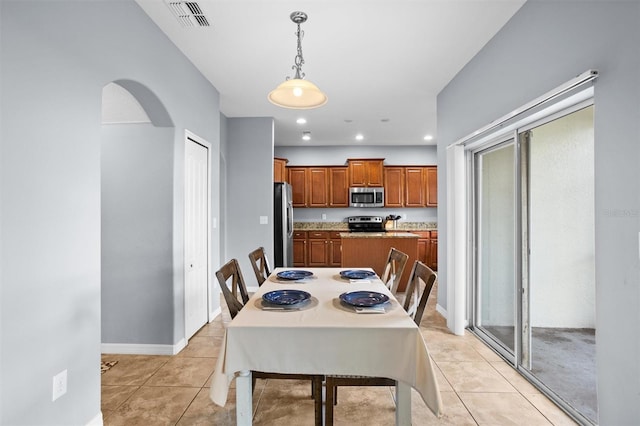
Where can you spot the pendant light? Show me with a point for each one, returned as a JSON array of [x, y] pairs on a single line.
[[297, 93]]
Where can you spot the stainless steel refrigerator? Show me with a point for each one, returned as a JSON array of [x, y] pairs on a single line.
[[283, 224]]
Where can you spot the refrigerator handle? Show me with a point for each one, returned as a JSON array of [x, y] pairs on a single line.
[[289, 219]]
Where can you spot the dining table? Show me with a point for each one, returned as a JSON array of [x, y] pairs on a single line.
[[326, 336]]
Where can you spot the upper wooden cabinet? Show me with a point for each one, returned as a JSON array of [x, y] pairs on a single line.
[[394, 186], [338, 186], [319, 186], [366, 172], [298, 181], [410, 186], [280, 169], [432, 186]]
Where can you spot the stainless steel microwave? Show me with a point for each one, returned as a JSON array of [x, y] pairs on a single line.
[[366, 197]]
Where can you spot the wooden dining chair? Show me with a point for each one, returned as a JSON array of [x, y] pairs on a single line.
[[260, 265], [419, 287], [236, 297], [394, 267]]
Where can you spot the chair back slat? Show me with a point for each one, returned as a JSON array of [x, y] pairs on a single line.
[[231, 270], [419, 287], [260, 265], [396, 262]]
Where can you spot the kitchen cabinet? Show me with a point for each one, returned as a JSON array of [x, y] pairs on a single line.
[[410, 186], [428, 248], [431, 186], [338, 186], [298, 181], [318, 187], [335, 249], [414, 195], [318, 248], [299, 248], [394, 186], [280, 169], [366, 172]]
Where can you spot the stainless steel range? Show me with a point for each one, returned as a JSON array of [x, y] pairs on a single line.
[[366, 224]]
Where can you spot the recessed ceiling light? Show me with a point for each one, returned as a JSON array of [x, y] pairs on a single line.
[[428, 138], [359, 137], [385, 120], [301, 120], [306, 136], [348, 120]]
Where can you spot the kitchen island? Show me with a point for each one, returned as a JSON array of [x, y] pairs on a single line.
[[370, 249]]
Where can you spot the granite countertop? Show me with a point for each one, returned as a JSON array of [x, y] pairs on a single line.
[[342, 226], [378, 235]]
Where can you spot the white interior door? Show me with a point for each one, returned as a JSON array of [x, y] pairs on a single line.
[[196, 247]]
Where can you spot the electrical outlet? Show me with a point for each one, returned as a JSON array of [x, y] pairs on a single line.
[[59, 385], [324, 216], [264, 220]]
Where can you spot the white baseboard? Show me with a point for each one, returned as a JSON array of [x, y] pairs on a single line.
[[142, 349], [96, 421], [441, 310], [213, 314]]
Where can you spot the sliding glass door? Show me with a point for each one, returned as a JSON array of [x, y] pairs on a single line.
[[534, 254], [495, 234]]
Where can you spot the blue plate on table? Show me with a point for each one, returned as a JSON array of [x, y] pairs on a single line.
[[294, 275], [364, 298], [286, 297], [356, 274]]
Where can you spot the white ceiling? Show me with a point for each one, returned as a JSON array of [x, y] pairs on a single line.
[[375, 59]]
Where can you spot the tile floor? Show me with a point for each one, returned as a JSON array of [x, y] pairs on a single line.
[[477, 388]]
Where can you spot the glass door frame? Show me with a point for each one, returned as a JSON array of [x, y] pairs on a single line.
[[515, 134]]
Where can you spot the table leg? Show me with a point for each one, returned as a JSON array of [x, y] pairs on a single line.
[[244, 399], [403, 404]]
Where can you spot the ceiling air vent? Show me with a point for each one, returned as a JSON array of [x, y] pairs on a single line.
[[188, 13]]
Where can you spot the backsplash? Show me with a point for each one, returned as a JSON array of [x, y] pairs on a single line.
[[428, 214], [342, 226]]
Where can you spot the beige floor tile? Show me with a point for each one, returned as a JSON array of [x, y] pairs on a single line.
[[285, 402], [113, 396], [156, 406], [550, 410], [474, 377], [182, 371], [203, 412], [502, 409], [455, 413], [364, 406], [453, 351], [443, 384], [487, 353], [214, 328], [202, 347], [132, 369], [518, 382]]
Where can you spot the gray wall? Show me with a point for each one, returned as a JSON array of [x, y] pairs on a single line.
[[421, 155], [137, 246], [544, 45], [249, 166], [56, 57]]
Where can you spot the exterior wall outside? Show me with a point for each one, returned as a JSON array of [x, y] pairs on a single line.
[[542, 46]]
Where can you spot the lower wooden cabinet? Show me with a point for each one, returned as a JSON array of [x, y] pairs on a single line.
[[317, 248], [299, 248], [428, 248]]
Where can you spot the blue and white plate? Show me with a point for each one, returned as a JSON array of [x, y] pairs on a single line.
[[294, 275], [356, 274], [364, 298], [286, 297]]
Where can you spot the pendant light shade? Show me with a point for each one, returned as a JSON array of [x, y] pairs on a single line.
[[297, 93]]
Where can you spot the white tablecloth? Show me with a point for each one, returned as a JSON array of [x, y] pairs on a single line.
[[328, 339]]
